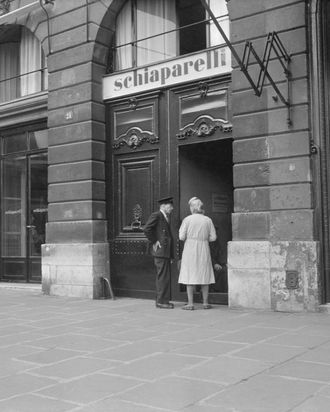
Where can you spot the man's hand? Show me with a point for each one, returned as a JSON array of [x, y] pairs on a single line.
[[217, 267], [156, 245]]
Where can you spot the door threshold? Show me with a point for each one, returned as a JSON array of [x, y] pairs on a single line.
[[24, 286]]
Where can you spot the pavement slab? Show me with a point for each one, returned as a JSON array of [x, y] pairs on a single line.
[[35, 403], [156, 366], [89, 388], [61, 354], [171, 393], [264, 393]]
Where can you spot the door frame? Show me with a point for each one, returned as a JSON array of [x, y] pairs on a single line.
[[28, 259], [219, 134]]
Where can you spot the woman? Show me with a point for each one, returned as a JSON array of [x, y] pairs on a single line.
[[196, 231]]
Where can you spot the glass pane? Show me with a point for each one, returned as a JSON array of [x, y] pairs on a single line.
[[155, 17], [9, 70], [14, 207], [192, 38], [39, 204], [15, 143], [30, 63], [124, 54], [219, 9], [39, 139]]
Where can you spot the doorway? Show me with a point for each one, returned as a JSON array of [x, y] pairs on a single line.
[[178, 143], [24, 206], [205, 171]]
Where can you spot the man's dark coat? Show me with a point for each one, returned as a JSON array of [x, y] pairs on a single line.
[[157, 228]]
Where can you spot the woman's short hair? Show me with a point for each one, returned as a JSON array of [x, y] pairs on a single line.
[[196, 205]]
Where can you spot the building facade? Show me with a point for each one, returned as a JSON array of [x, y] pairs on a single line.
[[107, 105]]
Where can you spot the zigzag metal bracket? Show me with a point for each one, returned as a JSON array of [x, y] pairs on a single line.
[[274, 44]]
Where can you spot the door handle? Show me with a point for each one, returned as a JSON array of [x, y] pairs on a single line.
[[30, 226]]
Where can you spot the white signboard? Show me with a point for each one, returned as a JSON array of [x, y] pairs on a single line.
[[208, 63]]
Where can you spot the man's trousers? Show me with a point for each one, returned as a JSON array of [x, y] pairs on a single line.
[[163, 279]]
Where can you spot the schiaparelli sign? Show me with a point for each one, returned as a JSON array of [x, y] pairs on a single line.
[[209, 63], [4, 6]]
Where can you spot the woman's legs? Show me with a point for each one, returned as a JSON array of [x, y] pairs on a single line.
[[205, 293], [190, 293]]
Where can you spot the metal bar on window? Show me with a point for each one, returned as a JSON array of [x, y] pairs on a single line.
[[23, 74], [167, 32]]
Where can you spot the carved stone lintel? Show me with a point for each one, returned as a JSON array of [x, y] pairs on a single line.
[[204, 126], [135, 137], [4, 7]]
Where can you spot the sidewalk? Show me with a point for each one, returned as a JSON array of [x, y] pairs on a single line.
[[70, 355]]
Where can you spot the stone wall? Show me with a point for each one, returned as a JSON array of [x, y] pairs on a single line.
[[75, 255], [273, 214]]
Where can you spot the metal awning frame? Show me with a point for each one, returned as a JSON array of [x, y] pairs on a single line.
[[274, 44]]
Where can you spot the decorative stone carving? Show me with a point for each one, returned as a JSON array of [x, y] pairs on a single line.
[[134, 137], [4, 7], [204, 126]]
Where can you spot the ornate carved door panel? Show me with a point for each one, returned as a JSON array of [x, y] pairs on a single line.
[[136, 178]]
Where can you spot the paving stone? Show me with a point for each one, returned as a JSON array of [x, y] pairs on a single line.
[[319, 354], [264, 394], [90, 388], [30, 337], [136, 350], [193, 334], [171, 393], [14, 351], [21, 383], [156, 366], [35, 403], [60, 330], [49, 356], [269, 353], [226, 370], [304, 370], [299, 340], [252, 334], [325, 391], [11, 367], [209, 348], [314, 404], [132, 335], [73, 368], [116, 405], [75, 341]]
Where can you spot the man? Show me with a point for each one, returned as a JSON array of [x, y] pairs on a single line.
[[158, 232]]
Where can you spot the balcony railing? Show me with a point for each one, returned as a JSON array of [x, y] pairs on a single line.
[[24, 84]]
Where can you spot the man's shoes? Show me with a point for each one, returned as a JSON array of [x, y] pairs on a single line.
[[164, 305]]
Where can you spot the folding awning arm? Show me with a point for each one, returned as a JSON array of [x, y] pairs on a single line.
[[273, 43]]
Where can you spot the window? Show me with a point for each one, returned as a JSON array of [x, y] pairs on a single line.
[[148, 31], [22, 63]]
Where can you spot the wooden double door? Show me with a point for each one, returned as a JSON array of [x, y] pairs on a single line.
[[171, 142]]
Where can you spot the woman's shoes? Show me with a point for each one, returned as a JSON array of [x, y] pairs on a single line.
[[188, 307], [191, 307]]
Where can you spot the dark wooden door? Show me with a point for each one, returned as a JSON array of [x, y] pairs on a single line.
[[138, 176], [175, 142]]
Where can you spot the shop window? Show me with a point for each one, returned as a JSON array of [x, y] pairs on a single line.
[[149, 31], [22, 64]]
